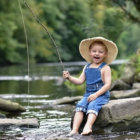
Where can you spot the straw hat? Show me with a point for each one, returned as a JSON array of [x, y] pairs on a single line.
[[111, 46]]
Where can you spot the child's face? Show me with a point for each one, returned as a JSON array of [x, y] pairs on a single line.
[[98, 53]]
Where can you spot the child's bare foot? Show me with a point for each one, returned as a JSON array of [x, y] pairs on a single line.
[[72, 133], [86, 132]]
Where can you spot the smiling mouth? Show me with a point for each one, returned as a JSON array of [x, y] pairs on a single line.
[[96, 57]]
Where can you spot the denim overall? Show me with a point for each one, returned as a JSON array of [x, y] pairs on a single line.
[[93, 84]]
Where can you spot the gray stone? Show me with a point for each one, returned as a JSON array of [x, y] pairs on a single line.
[[117, 115], [67, 100], [2, 115], [31, 122], [9, 106], [61, 139], [125, 93], [120, 85]]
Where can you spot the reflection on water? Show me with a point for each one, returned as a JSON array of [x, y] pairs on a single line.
[[44, 79], [46, 85]]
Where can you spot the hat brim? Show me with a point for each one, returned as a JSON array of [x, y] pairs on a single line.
[[111, 47]]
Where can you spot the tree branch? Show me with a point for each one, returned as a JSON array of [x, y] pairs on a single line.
[[130, 16]]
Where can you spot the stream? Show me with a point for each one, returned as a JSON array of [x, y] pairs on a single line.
[[45, 86]]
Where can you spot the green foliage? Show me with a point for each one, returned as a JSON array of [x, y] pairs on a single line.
[[131, 8], [76, 15], [135, 62], [79, 89], [113, 17], [12, 38], [117, 71], [8, 44], [129, 40], [68, 21], [114, 74]]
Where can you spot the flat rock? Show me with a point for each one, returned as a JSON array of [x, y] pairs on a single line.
[[67, 100], [117, 115], [29, 123], [125, 93], [120, 115], [9, 106], [2, 115]]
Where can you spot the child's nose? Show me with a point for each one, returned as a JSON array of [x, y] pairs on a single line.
[[97, 53]]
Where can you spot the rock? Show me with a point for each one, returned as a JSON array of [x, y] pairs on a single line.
[[29, 123], [136, 85], [118, 115], [120, 85], [75, 137], [125, 93], [9, 106], [137, 77], [128, 74], [2, 115], [67, 100], [61, 138]]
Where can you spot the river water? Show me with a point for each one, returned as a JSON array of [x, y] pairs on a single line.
[[45, 86]]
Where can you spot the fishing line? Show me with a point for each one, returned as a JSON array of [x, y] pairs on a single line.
[[28, 58], [46, 29]]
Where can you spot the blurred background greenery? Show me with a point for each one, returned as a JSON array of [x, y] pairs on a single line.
[[68, 21]]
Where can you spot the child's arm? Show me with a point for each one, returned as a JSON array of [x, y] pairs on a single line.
[[107, 84], [73, 79]]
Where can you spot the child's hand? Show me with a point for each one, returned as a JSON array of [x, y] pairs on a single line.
[[92, 97], [66, 74]]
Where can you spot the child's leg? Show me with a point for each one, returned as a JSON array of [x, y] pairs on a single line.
[[78, 118], [88, 126]]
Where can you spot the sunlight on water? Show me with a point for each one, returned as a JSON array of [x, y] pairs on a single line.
[[15, 96]]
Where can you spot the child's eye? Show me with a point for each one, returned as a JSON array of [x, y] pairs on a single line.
[[101, 51]]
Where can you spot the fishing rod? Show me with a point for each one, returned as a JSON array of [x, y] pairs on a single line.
[[46, 29], [28, 58]]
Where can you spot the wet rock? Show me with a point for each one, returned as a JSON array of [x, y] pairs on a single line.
[[120, 85], [9, 106], [67, 100], [75, 137], [118, 115], [125, 93], [29, 123], [2, 115], [136, 85], [61, 139]]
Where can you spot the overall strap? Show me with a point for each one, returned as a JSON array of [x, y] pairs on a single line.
[[87, 66], [102, 65]]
